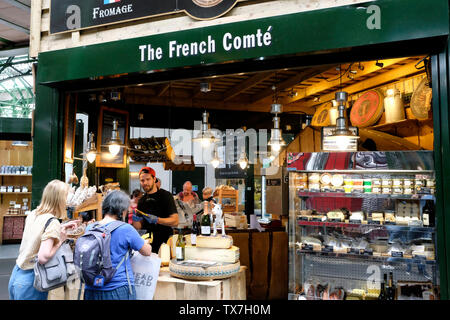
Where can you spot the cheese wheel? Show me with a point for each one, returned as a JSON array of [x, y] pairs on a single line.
[[230, 255], [368, 109], [218, 271], [421, 100], [217, 242], [321, 117]]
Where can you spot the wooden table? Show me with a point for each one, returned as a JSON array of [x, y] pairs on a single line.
[[171, 288]]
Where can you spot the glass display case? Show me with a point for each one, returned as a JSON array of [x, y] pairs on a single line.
[[362, 226]]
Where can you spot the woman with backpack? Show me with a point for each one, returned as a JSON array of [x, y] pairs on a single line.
[[114, 281], [42, 236]]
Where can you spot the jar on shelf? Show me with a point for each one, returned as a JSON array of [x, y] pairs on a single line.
[[393, 106], [367, 185]]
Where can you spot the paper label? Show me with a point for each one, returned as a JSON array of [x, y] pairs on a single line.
[[179, 253], [206, 230], [193, 239]]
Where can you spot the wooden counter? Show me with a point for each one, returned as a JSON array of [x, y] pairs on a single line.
[[265, 254]]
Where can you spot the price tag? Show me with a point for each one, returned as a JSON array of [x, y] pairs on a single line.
[[308, 247], [356, 251], [355, 221], [397, 254], [327, 248]]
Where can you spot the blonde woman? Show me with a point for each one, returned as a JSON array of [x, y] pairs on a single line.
[[39, 243]]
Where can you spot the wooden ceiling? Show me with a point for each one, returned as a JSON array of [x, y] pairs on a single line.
[[298, 90]]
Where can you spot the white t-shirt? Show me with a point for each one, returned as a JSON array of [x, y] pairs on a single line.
[[33, 235]]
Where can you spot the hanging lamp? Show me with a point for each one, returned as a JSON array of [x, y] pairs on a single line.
[[276, 140], [115, 143], [205, 137]]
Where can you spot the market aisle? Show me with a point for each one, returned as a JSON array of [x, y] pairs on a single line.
[[8, 255]]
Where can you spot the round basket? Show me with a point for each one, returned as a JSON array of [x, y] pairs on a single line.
[[218, 271], [321, 117]]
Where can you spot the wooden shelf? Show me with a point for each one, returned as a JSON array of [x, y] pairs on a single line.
[[15, 175], [14, 215], [398, 124], [15, 192]]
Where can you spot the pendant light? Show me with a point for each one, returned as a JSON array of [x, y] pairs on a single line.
[[115, 143], [91, 152], [205, 137], [215, 162], [276, 140], [243, 161], [342, 138]]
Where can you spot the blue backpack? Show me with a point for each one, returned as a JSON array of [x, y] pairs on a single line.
[[92, 255]]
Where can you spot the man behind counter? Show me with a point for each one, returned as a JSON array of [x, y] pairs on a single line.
[[158, 206]]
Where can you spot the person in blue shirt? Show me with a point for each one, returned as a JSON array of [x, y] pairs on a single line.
[[123, 239]]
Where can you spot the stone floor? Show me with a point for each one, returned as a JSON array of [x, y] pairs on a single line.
[[8, 255]]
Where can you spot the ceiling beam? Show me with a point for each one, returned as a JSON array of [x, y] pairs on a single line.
[[162, 89], [325, 84], [250, 82], [18, 4], [14, 26], [382, 79], [289, 83]]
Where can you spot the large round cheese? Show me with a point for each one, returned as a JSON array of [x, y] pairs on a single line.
[[421, 100], [218, 271], [216, 242], [368, 109], [321, 117]]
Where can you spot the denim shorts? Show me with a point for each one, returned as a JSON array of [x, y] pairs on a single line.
[[20, 286], [121, 293]]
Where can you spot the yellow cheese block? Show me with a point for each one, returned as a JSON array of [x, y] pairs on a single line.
[[230, 255], [164, 254], [217, 242]]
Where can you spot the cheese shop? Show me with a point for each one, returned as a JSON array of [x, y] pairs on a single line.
[[305, 143]]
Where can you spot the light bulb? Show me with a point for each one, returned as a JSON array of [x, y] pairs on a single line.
[[206, 142], [243, 163], [342, 142], [114, 149], [215, 162], [91, 156], [276, 147]]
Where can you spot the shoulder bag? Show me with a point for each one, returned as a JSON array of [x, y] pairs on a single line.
[[57, 271]]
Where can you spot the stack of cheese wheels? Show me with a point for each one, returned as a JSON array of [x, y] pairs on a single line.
[[218, 249]]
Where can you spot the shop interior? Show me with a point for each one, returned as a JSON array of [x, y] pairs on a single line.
[[387, 107]]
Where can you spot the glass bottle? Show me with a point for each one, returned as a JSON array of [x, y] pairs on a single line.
[[180, 246]]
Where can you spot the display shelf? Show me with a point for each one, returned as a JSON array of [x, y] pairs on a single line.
[[366, 257], [363, 171], [390, 227], [307, 194]]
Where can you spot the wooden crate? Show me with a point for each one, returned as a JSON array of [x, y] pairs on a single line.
[[228, 194], [171, 288]]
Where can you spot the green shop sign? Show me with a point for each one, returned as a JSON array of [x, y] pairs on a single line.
[[342, 27]]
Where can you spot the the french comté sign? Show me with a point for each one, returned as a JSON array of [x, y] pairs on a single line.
[[72, 15]]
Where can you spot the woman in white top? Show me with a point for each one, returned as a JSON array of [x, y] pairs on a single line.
[[38, 243]]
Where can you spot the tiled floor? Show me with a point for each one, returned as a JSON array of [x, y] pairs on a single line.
[[8, 255]]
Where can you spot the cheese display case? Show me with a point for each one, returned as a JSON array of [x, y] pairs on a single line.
[[356, 218]]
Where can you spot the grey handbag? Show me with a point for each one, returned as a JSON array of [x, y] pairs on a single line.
[[57, 270]]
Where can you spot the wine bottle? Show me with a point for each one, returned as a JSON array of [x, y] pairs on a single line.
[[428, 214], [195, 231], [382, 295], [206, 221], [390, 292], [179, 246]]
